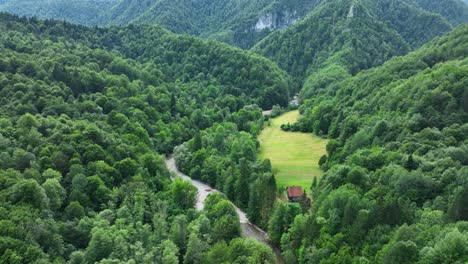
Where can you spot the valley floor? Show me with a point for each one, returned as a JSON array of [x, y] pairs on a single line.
[[293, 155]]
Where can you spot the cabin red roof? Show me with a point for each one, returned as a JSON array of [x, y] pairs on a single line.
[[295, 191]]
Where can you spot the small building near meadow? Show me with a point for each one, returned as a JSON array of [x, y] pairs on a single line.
[[294, 193]]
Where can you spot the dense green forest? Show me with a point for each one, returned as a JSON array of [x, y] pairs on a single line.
[[350, 36], [230, 163], [396, 184], [238, 22], [87, 12], [84, 116], [88, 115], [232, 21], [455, 11]]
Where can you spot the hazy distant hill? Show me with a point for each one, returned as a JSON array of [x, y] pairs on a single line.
[[87, 12], [455, 11]]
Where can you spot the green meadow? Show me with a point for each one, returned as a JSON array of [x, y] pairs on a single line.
[[294, 156]]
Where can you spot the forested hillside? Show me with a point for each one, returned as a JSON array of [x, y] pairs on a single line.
[[349, 36], [89, 115], [87, 12], [455, 11], [178, 58], [238, 22], [396, 184], [85, 115]]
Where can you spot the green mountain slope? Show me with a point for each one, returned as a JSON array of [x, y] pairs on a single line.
[[455, 11], [396, 163], [87, 12], [85, 116], [238, 22], [350, 35], [184, 58]]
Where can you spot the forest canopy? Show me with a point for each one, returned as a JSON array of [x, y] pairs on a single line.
[[92, 119], [84, 118], [396, 167]]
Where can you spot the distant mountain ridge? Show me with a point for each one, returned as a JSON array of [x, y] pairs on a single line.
[[350, 36], [237, 22], [455, 11], [86, 12], [302, 36]]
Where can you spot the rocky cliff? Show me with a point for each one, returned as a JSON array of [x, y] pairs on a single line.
[[276, 20]]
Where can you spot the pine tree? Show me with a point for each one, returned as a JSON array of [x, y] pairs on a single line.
[[242, 187], [195, 249], [197, 142], [170, 253], [411, 164], [173, 103]]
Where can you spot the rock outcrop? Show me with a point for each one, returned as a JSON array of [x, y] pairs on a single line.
[[276, 20]]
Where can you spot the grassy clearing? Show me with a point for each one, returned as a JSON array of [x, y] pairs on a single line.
[[294, 156]]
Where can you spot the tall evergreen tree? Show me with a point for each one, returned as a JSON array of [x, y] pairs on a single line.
[[242, 185]]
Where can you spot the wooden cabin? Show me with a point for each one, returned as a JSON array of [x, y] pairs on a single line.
[[294, 193]]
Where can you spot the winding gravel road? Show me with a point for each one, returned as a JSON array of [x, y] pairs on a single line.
[[248, 229]]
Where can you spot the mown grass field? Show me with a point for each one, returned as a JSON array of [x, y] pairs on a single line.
[[294, 156]]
